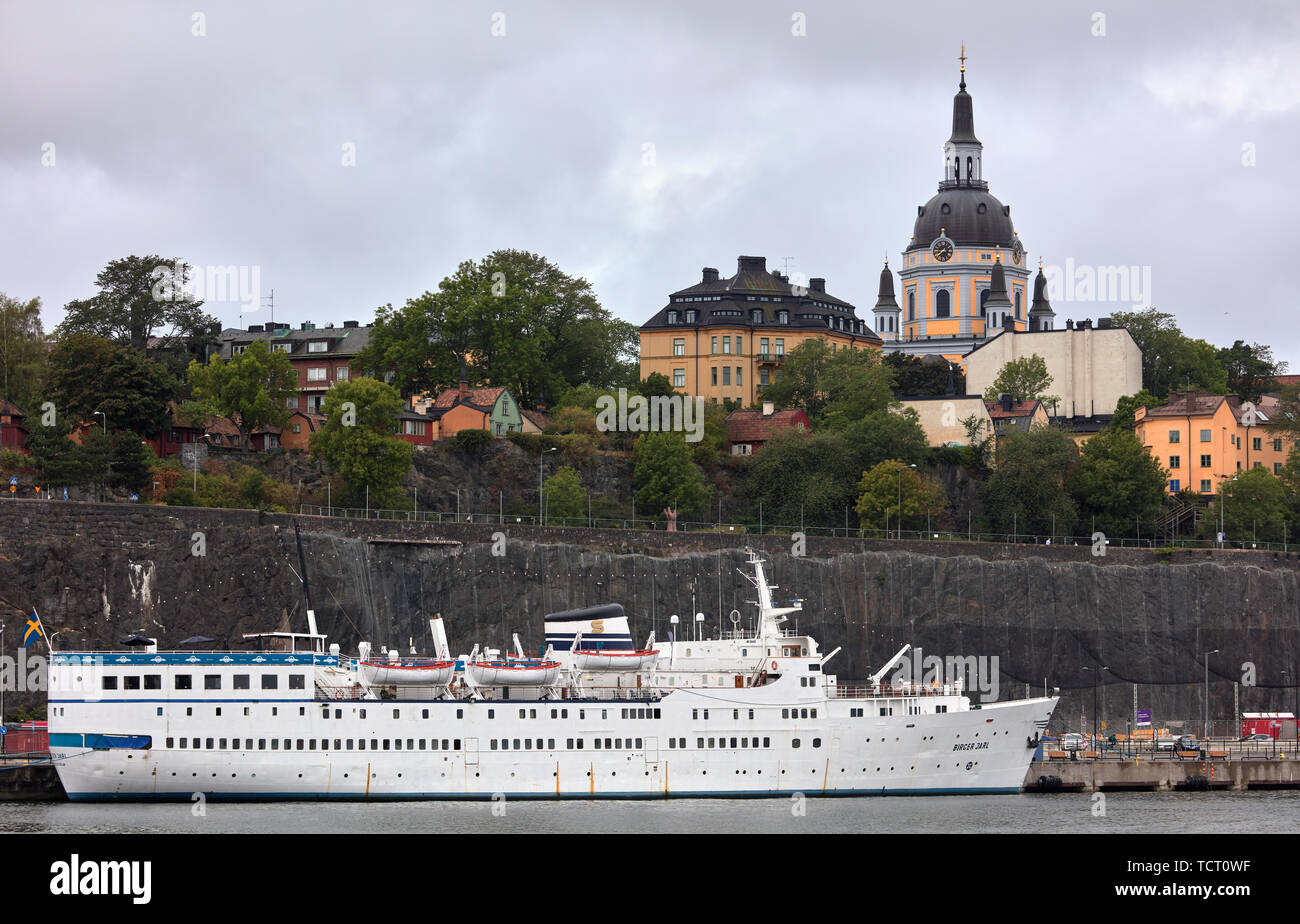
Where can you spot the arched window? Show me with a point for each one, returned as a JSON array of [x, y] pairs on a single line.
[[968, 173], [941, 303], [1017, 305], [984, 297], [911, 306]]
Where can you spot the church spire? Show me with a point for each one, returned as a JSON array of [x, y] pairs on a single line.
[[963, 152], [1041, 314], [887, 312]]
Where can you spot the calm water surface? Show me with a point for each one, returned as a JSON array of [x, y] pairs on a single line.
[[1156, 813]]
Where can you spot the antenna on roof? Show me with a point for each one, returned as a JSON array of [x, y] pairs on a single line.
[[269, 301], [785, 265]]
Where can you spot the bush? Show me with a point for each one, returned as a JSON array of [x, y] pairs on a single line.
[[182, 497], [11, 459], [532, 443], [473, 440]]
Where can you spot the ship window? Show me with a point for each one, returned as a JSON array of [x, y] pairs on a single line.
[[579, 744], [299, 744], [604, 713], [625, 713], [706, 715], [744, 742], [695, 713], [608, 742], [564, 713], [711, 742], [183, 740], [656, 712], [735, 713], [817, 742], [337, 742], [672, 742], [183, 682], [460, 713], [494, 744], [398, 743], [212, 681], [171, 742], [275, 744], [444, 744], [699, 742], [424, 713], [751, 713], [189, 710], [261, 744], [270, 682], [325, 713], [397, 713], [814, 713], [297, 681], [153, 681], [387, 744], [196, 743], [241, 682], [794, 743], [521, 713], [733, 742], [553, 712], [767, 742], [803, 713], [311, 744], [218, 710], [596, 744], [110, 683], [363, 713], [492, 713], [568, 743]]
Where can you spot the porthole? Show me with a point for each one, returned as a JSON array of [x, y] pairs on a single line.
[[981, 208]]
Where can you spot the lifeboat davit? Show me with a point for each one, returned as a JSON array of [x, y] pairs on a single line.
[[514, 672], [612, 660], [407, 671]]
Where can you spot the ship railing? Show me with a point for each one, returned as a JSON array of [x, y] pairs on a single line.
[[895, 691], [331, 694]]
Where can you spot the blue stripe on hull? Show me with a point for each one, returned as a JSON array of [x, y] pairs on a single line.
[[535, 797]]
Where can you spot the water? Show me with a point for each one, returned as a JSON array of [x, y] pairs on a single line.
[[1155, 813]]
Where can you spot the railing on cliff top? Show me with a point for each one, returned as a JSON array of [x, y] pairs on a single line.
[[750, 529]]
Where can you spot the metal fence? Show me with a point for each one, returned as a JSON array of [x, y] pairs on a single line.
[[742, 529]]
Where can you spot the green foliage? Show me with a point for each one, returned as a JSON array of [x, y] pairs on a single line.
[[22, 351], [574, 419], [914, 376], [664, 475], [1170, 360], [12, 459], [565, 496], [365, 453], [1025, 379], [1117, 481], [712, 446], [835, 388], [1251, 369], [58, 460], [1127, 406], [131, 463], [139, 297], [1286, 415], [182, 496], [1255, 504], [89, 374], [253, 488], [656, 383], [250, 389], [519, 320], [1027, 485], [885, 486], [473, 441]]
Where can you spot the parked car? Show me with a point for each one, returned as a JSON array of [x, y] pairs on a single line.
[[1257, 737], [1074, 742], [1188, 743], [1165, 744]]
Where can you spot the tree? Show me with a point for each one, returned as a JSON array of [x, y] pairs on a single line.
[[89, 374], [663, 475], [137, 297], [1025, 379], [1126, 407], [565, 496], [1255, 507], [251, 389], [519, 321], [1117, 481], [57, 458], [834, 387], [801, 380], [881, 488], [22, 350], [1027, 486], [1286, 415], [358, 442], [130, 463], [914, 376], [1250, 369], [1171, 360]]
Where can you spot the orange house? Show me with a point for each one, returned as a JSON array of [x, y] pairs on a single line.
[[297, 432], [1203, 439]]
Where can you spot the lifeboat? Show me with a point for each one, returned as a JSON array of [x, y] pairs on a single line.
[[514, 672], [407, 671], [592, 659]]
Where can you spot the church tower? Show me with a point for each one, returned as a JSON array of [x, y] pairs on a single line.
[[963, 275], [1041, 315], [887, 311]]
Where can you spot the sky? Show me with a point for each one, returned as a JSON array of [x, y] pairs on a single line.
[[350, 155]]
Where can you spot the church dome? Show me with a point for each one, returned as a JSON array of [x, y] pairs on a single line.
[[967, 215]]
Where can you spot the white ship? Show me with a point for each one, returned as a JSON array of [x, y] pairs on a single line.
[[750, 713]]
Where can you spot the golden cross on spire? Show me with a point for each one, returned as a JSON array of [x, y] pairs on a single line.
[[963, 57]]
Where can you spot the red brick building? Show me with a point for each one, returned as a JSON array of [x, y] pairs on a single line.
[[747, 431]]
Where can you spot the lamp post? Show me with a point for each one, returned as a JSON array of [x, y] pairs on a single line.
[[540, 457], [1205, 732], [1096, 676], [2, 689], [105, 416]]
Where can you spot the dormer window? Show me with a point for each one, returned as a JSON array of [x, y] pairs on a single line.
[[783, 317], [318, 346], [756, 316], [672, 317], [690, 316]]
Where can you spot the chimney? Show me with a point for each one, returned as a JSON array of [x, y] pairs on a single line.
[[710, 274], [1069, 324], [817, 284], [255, 328], [1007, 402], [350, 324], [768, 408], [1103, 323], [751, 264]]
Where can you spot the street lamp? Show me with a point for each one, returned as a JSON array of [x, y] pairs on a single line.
[[105, 416], [540, 457], [1205, 732], [1096, 676], [2, 689]]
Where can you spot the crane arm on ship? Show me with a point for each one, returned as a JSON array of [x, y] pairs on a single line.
[[875, 678]]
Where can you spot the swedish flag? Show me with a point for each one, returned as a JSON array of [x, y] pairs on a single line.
[[34, 628]]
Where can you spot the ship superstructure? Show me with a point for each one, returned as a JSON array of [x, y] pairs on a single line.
[[751, 713]]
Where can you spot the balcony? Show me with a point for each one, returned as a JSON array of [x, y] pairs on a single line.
[[774, 359]]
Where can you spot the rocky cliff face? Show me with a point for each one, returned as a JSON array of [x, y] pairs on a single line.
[[98, 573]]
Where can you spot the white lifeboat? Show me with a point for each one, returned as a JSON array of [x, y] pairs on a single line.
[[407, 671], [593, 659], [512, 672]]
